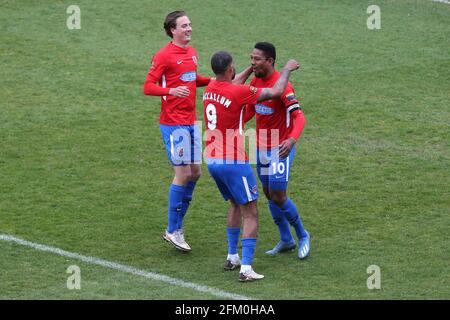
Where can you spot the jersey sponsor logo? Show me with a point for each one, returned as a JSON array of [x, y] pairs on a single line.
[[263, 110], [194, 58], [180, 62], [253, 89], [291, 96], [188, 76]]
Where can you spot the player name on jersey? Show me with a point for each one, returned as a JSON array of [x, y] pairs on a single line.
[[217, 98]]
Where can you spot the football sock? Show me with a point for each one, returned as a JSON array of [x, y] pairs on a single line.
[[281, 221], [188, 191], [233, 239], [290, 212], [233, 257], [176, 194], [246, 268], [248, 250]]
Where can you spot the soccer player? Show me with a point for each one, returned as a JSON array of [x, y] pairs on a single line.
[[224, 107], [173, 76], [277, 120]]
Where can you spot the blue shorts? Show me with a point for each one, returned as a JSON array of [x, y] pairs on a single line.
[[235, 181], [183, 144], [272, 171]]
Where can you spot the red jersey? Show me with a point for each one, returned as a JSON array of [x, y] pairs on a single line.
[[224, 111], [173, 66], [275, 113]]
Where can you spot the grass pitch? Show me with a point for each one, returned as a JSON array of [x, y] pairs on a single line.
[[83, 166]]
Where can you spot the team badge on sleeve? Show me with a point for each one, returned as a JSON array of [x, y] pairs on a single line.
[[291, 96], [180, 151]]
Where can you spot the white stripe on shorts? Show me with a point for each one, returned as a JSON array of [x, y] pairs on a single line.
[[249, 196], [171, 147], [287, 168]]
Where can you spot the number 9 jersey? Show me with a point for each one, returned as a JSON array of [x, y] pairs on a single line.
[[224, 111]]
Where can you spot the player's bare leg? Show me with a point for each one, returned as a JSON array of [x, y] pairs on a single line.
[[266, 192], [234, 216], [250, 219], [186, 173], [279, 197]]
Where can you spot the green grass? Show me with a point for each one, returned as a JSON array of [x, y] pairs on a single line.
[[83, 166]]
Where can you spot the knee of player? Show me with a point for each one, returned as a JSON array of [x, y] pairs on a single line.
[[234, 206], [194, 176], [266, 193], [278, 197]]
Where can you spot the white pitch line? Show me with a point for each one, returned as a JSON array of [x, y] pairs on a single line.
[[124, 268]]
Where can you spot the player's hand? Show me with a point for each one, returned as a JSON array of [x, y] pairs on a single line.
[[181, 92], [285, 147], [292, 65]]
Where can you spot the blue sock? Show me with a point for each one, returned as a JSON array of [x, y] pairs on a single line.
[[281, 222], [176, 194], [291, 214], [188, 191], [248, 250], [233, 239]]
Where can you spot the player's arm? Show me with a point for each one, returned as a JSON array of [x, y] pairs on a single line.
[[202, 81], [299, 124], [152, 89], [249, 112], [240, 78], [153, 77], [277, 90]]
